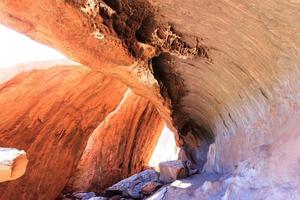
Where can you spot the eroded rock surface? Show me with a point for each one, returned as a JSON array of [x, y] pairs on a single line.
[[235, 93], [80, 31], [172, 170], [53, 115], [215, 81], [132, 187], [222, 72], [120, 146], [271, 174]]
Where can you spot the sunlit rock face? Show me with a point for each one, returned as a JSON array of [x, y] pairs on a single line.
[[220, 65], [72, 27], [13, 164], [57, 114], [220, 72], [120, 146], [51, 114]]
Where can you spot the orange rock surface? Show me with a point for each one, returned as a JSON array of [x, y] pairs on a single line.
[[224, 74], [119, 147], [52, 114], [66, 26]]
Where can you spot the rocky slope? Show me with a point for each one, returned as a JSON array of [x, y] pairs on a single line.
[[223, 74], [55, 114]]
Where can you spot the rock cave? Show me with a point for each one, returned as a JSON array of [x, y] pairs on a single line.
[[222, 75]]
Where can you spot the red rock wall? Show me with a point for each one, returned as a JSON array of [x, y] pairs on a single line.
[[65, 25], [239, 83], [51, 114], [119, 147]]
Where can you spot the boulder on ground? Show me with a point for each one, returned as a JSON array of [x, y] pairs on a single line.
[[13, 164], [172, 170], [132, 186], [78, 196], [150, 187]]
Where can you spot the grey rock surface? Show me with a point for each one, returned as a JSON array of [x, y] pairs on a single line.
[[83, 195], [172, 170], [150, 187], [132, 186]]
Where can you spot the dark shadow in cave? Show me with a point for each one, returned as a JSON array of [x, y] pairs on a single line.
[[194, 138]]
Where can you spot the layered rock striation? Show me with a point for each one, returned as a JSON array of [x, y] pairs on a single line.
[[223, 74], [120, 146], [55, 116]]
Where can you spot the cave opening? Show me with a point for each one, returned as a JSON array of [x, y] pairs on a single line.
[[17, 48], [172, 87], [165, 149]]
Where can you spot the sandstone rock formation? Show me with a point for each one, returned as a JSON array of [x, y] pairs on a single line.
[[132, 186], [120, 146], [72, 27], [220, 72], [13, 164], [55, 115]]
